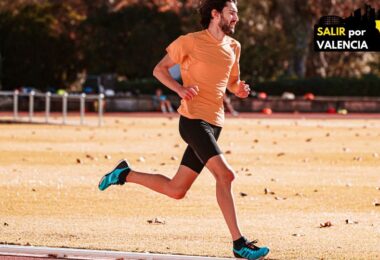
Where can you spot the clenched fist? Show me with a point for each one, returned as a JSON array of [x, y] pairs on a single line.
[[243, 90]]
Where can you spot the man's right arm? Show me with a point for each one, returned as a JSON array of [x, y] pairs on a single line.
[[161, 72]]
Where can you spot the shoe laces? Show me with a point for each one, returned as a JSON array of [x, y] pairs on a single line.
[[251, 245]]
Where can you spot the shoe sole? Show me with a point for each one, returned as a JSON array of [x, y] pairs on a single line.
[[261, 258], [112, 171]]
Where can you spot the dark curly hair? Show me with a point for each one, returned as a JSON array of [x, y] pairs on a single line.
[[206, 6]]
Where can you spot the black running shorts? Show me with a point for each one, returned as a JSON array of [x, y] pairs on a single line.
[[201, 138]]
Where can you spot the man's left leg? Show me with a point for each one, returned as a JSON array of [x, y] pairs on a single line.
[[224, 175]]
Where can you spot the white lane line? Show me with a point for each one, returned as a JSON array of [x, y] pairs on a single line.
[[92, 254]]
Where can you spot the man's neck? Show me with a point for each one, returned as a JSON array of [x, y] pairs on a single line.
[[216, 32]]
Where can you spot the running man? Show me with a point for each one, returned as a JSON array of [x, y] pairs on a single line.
[[209, 61]]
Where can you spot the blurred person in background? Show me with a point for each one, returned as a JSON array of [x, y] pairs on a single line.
[[227, 103], [161, 101]]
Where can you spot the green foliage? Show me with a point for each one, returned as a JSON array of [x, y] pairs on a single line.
[[47, 43], [264, 45], [260, 62], [368, 85], [276, 38], [33, 54], [129, 42]]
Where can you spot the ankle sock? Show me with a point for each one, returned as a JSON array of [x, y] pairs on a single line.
[[123, 176], [239, 243]]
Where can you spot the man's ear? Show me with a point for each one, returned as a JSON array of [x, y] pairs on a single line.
[[214, 14]]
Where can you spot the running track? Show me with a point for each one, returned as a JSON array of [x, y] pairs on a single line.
[[12, 252], [241, 115]]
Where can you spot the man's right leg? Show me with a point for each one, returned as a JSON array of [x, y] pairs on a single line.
[[175, 188]]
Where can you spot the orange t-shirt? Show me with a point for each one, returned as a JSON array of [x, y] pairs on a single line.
[[209, 64]]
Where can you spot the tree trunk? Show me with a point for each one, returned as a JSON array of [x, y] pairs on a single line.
[[1, 71], [297, 23]]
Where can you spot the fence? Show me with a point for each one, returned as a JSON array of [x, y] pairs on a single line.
[[81, 98]]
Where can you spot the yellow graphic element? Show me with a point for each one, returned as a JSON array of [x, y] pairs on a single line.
[[331, 31], [378, 25]]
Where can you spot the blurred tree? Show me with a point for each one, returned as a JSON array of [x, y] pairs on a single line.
[[36, 51], [276, 37], [13, 6], [264, 45], [1, 71], [297, 21], [49, 42], [128, 42]]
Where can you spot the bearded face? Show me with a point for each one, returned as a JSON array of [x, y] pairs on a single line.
[[228, 18], [227, 27]]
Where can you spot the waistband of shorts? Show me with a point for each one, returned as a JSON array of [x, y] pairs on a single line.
[[200, 120]]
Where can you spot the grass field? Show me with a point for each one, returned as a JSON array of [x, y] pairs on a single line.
[[320, 170]]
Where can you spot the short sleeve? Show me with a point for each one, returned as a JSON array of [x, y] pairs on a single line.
[[179, 49]]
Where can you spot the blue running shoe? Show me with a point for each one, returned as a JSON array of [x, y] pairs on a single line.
[[250, 251], [116, 177]]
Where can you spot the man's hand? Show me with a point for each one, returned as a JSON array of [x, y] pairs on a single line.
[[243, 90], [188, 93]]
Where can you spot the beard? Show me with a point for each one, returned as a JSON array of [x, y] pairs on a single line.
[[226, 27]]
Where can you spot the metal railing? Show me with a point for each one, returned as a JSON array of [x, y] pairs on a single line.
[[82, 98]]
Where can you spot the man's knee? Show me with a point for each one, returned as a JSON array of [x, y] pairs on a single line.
[[180, 194], [225, 176], [221, 170]]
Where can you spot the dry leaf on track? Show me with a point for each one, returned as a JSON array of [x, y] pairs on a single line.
[[348, 221], [156, 221], [325, 225]]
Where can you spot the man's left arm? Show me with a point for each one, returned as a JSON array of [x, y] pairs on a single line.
[[235, 85]]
